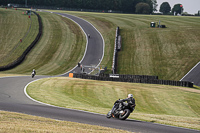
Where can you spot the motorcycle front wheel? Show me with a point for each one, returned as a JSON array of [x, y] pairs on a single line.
[[109, 115], [125, 114]]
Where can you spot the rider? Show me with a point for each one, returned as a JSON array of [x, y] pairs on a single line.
[[129, 101], [33, 73]]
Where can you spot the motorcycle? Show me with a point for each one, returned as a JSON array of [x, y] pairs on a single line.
[[33, 74], [120, 111]]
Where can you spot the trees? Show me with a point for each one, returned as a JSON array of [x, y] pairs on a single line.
[[143, 8], [165, 8], [126, 6], [149, 2], [178, 8], [155, 5]]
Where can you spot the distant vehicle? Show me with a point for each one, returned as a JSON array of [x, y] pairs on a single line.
[[9, 5], [13, 5]]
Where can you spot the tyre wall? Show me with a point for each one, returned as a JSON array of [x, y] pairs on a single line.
[[134, 79]]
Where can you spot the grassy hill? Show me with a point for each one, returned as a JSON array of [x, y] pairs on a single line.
[[61, 46], [168, 53], [15, 26], [169, 105]]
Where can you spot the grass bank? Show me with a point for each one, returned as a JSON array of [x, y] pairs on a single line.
[[22, 123], [61, 46], [177, 106], [15, 26], [168, 53]]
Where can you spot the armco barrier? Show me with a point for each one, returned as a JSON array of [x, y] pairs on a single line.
[[131, 76], [114, 64], [22, 57], [134, 79]]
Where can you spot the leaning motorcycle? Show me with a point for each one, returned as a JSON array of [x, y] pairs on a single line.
[[33, 74], [120, 111]]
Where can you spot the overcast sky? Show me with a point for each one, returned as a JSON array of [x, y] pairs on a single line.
[[190, 6]]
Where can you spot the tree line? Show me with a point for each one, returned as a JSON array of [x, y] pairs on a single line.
[[127, 6], [177, 9], [165, 8]]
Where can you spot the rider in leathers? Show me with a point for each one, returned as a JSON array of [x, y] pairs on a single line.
[[33, 73], [129, 101]]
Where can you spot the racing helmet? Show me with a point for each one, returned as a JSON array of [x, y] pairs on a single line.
[[130, 95]]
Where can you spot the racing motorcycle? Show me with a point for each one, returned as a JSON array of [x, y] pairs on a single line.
[[120, 111], [33, 74]]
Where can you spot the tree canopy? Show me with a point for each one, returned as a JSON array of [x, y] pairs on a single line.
[[142, 8], [178, 8], [118, 5], [165, 8]]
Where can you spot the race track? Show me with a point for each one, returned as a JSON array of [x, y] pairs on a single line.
[[193, 75], [95, 44], [13, 98]]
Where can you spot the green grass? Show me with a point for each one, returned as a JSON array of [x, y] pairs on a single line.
[[61, 46], [169, 105], [15, 26], [22, 123], [168, 53]]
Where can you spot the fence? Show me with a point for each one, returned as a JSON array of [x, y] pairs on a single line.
[[25, 53], [117, 47], [134, 79]]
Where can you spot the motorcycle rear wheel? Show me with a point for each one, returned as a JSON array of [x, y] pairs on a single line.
[[125, 114]]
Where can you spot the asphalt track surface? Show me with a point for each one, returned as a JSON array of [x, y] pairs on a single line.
[[13, 98], [94, 48], [193, 75]]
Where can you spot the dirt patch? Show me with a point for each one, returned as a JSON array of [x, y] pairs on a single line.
[[190, 90]]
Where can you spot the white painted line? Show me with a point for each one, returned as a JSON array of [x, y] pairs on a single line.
[[101, 38], [25, 88], [25, 92], [190, 70], [86, 42]]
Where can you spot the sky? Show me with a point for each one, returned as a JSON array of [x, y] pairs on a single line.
[[190, 6]]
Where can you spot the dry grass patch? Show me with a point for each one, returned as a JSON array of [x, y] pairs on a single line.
[[192, 123], [22, 123]]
